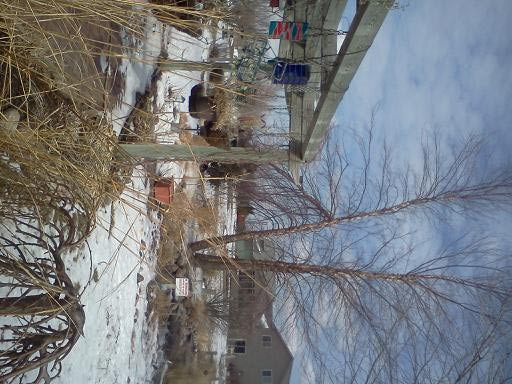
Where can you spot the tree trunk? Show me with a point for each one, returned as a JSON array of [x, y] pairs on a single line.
[[283, 267], [260, 234]]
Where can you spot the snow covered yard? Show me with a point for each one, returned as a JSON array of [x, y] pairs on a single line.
[[110, 270], [118, 260]]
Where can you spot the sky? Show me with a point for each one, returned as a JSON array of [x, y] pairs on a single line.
[[437, 66], [443, 67]]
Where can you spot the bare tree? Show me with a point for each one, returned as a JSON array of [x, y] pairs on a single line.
[[41, 318], [41, 321], [370, 302], [441, 318], [275, 199], [343, 193]]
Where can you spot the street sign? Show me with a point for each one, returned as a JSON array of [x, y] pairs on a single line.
[[288, 30], [182, 286], [290, 73]]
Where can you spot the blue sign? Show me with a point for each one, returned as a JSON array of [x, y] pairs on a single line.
[[290, 73]]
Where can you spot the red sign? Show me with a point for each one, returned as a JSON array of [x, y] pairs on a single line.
[[288, 30]]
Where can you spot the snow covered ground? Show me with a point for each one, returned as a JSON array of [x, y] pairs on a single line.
[[113, 267], [119, 346], [118, 258]]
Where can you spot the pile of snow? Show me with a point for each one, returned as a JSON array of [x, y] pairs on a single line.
[[137, 66]]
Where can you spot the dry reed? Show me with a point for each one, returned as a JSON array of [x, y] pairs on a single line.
[[58, 157]]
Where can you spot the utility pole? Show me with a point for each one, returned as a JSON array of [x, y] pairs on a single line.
[[187, 152]]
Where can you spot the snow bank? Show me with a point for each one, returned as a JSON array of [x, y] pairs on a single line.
[[137, 66]]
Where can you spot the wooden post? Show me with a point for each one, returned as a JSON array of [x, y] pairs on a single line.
[[203, 153], [184, 65]]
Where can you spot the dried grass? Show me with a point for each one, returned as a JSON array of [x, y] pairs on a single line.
[[227, 111], [186, 137], [207, 218], [204, 316], [63, 149], [184, 210], [56, 157], [161, 306], [179, 215], [58, 154]]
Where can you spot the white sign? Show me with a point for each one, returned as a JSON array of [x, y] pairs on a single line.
[[182, 286]]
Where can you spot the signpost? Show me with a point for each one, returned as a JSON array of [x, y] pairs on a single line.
[[181, 287]]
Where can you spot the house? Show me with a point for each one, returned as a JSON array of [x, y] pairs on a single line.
[[257, 354]]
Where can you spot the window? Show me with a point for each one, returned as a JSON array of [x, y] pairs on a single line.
[[246, 283], [266, 341], [236, 346], [266, 376]]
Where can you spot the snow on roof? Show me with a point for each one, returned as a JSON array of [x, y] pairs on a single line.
[[263, 322]]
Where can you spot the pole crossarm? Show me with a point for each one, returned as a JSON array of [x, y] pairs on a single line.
[[332, 70]]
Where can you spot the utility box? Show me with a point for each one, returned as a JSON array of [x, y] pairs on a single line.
[[163, 190]]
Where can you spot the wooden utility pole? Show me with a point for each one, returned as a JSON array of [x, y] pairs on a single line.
[[205, 153]]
